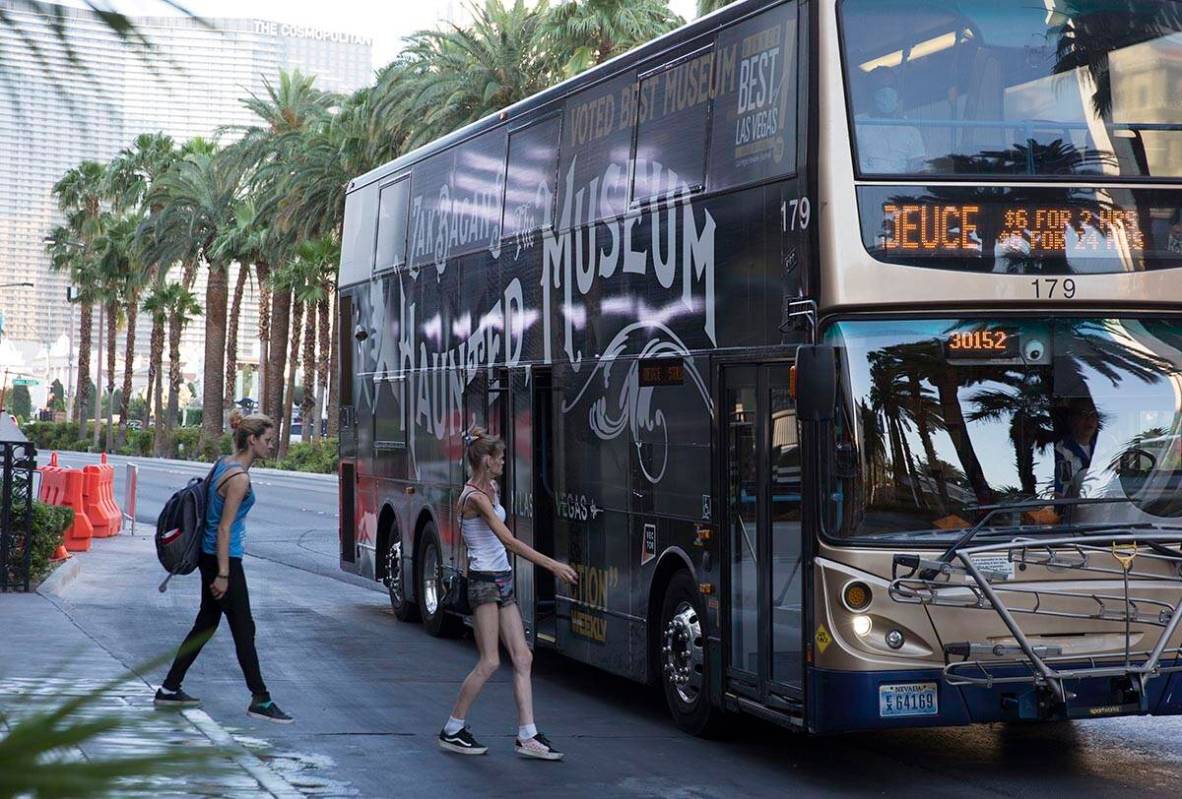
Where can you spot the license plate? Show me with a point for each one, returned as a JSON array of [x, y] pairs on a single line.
[[909, 699]]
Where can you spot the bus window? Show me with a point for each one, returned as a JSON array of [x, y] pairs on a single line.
[[389, 431], [479, 182], [671, 128], [1008, 87], [596, 148], [393, 203], [430, 207], [530, 187], [753, 132]]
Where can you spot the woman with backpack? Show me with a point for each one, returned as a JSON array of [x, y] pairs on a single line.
[[223, 582], [494, 607]]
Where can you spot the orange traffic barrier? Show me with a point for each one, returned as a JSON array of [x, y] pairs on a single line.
[[60, 553], [81, 532], [105, 523], [108, 486], [51, 484]]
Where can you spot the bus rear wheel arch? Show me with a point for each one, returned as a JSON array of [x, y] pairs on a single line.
[[682, 661]]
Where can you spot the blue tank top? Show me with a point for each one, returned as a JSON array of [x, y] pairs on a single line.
[[213, 516]]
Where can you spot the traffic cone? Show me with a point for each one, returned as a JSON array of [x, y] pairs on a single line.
[[60, 553]]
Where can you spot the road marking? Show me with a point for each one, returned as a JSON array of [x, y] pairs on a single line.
[[272, 782]]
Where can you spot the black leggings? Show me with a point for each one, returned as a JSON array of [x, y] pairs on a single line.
[[235, 603]]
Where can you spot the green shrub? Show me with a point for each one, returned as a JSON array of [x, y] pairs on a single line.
[[50, 523], [311, 457], [185, 441]]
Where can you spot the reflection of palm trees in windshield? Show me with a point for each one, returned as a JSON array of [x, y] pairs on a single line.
[[1024, 397]]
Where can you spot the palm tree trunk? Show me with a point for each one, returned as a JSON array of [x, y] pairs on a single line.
[[334, 410], [308, 405], [277, 352], [232, 336], [297, 313], [923, 422], [954, 423], [112, 348], [156, 385], [82, 391], [324, 366], [175, 328], [128, 361], [262, 271], [212, 424]]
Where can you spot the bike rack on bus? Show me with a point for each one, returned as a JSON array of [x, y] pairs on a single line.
[[955, 580]]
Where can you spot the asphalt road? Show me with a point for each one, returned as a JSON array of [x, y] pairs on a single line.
[[370, 694]]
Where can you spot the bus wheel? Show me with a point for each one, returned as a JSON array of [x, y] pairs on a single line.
[[403, 610], [685, 670], [438, 622]]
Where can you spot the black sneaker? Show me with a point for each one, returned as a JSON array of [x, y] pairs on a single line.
[[177, 698], [462, 743], [537, 747], [270, 711]]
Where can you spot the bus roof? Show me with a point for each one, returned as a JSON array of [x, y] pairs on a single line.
[[607, 69]]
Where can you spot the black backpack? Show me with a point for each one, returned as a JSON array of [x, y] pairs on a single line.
[[179, 528]]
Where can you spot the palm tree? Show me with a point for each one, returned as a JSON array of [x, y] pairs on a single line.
[[182, 307], [156, 305], [447, 78], [124, 273], [592, 31], [710, 6], [314, 272], [80, 194], [197, 197]]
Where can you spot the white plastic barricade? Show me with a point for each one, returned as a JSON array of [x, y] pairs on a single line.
[[133, 473]]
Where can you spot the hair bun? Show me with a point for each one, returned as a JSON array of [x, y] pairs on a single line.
[[235, 419]]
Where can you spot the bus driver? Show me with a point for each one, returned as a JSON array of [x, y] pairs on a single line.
[[892, 147]]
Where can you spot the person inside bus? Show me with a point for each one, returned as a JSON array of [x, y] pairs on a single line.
[[494, 607], [1075, 446], [893, 148]]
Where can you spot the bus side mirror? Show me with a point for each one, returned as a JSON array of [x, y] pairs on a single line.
[[816, 382]]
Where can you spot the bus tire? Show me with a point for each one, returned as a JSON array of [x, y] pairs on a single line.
[[437, 621], [404, 610], [684, 668]]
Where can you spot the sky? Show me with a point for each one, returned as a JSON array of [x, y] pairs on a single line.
[[387, 23]]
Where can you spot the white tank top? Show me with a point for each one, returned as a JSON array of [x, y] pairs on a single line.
[[486, 553]]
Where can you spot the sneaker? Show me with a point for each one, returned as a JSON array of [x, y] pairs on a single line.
[[177, 698], [270, 711], [537, 747], [462, 743]]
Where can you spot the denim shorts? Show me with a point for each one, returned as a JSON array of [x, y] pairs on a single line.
[[485, 587]]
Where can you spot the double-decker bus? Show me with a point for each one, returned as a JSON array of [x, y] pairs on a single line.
[[835, 344]]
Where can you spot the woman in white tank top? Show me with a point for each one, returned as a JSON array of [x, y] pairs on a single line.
[[494, 607]]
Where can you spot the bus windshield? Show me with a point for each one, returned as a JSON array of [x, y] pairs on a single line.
[[1013, 87], [941, 416]]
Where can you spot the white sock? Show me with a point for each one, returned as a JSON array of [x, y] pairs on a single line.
[[453, 725], [527, 731]]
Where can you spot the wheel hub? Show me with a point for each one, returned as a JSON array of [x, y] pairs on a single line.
[[682, 653], [431, 580]]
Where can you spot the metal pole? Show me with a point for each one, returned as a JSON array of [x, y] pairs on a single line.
[[70, 380], [98, 405], [129, 492]]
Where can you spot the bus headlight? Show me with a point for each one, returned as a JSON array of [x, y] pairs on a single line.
[[862, 626]]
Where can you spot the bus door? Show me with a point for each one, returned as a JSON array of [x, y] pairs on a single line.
[[764, 544]]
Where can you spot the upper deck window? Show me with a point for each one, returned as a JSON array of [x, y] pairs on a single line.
[[530, 187], [1010, 87], [596, 148], [393, 203], [671, 128]]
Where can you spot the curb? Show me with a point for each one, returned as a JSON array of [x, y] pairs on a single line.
[[61, 577]]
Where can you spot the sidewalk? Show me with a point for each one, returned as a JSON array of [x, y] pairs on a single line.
[[46, 658]]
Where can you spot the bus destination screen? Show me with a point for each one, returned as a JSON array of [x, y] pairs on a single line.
[[984, 343], [1048, 231], [661, 372]]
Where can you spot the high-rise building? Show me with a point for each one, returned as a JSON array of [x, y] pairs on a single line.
[[54, 114]]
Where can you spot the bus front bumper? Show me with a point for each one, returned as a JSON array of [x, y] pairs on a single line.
[[848, 701]]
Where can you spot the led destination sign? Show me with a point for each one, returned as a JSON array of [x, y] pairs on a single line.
[[1020, 230], [961, 229], [661, 372], [982, 344]]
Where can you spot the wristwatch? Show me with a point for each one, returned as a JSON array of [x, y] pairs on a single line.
[[223, 577]]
